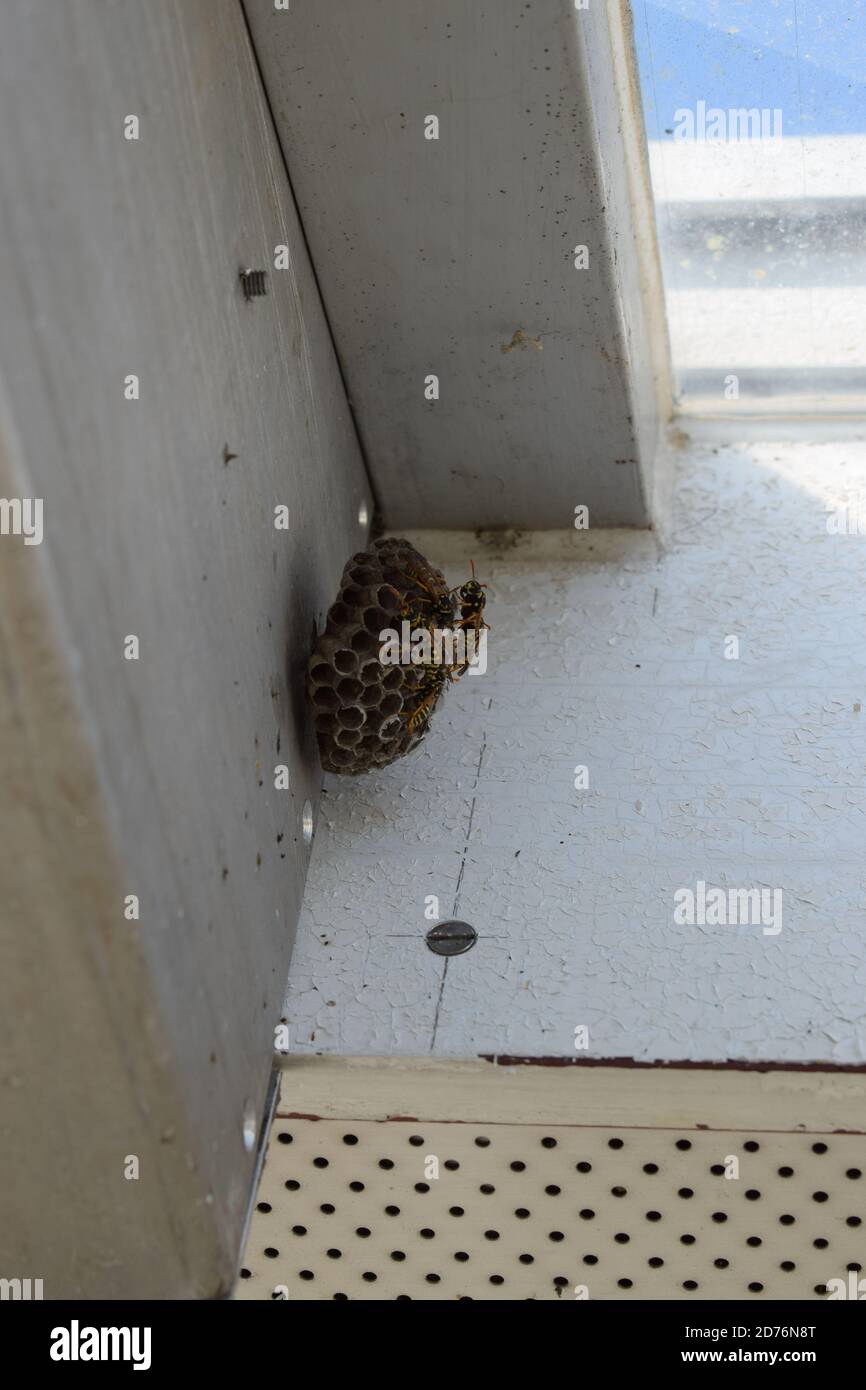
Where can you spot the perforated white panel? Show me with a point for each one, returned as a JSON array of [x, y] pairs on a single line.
[[402, 1209]]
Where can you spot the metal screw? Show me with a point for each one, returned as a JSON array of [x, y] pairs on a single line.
[[451, 938], [253, 283], [307, 823]]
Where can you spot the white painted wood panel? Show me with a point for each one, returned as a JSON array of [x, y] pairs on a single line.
[[608, 652], [122, 257], [434, 255]]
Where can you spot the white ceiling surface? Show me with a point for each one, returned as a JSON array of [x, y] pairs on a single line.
[[742, 773]]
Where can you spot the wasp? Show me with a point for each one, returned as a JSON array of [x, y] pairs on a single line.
[[436, 607], [432, 683], [437, 611], [425, 611], [472, 600], [414, 612]]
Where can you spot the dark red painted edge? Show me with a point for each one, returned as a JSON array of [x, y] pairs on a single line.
[[504, 1060]]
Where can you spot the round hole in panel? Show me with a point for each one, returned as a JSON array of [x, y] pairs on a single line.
[[328, 1179]]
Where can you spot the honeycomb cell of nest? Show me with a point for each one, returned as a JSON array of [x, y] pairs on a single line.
[[362, 707]]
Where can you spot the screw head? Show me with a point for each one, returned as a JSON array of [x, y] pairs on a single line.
[[253, 282], [451, 938]]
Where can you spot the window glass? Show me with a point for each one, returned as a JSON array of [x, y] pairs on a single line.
[[756, 122]]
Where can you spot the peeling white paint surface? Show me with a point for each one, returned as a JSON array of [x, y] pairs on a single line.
[[606, 651]]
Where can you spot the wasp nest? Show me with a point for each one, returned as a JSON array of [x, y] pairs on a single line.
[[362, 707]]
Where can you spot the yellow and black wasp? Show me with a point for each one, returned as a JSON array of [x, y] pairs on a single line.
[[434, 606], [426, 610], [438, 605], [434, 680], [472, 600]]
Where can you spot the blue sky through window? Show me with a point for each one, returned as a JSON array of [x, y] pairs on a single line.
[[807, 59]]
